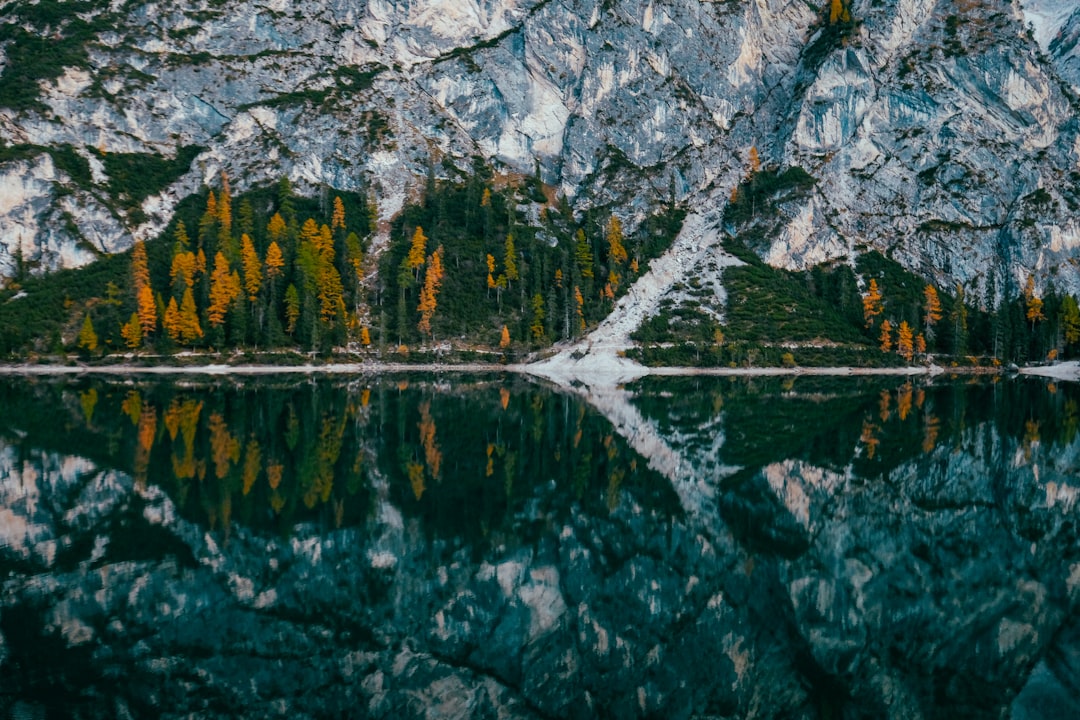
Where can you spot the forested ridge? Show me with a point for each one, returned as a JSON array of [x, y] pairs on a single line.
[[486, 265], [481, 261]]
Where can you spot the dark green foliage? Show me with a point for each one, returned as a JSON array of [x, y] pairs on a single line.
[[452, 216], [767, 304], [64, 157], [349, 80], [762, 191], [30, 324], [59, 39], [133, 177]]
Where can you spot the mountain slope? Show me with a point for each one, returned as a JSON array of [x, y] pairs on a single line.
[[943, 133]]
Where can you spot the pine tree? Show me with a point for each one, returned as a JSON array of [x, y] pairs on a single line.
[[872, 305], [536, 327], [292, 308], [504, 338], [959, 318], [1070, 319], [331, 294], [182, 238], [510, 259], [583, 255]]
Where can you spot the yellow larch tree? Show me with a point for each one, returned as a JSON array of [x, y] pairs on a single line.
[[430, 292], [504, 338], [188, 328], [140, 269], [616, 251], [184, 268], [131, 331], [872, 304], [491, 272], [88, 339], [583, 255], [224, 205], [932, 307], [510, 259], [274, 261], [147, 311], [252, 267], [224, 288], [171, 321], [886, 336], [415, 259], [905, 342], [337, 220], [838, 12], [276, 228], [579, 304], [1033, 303]]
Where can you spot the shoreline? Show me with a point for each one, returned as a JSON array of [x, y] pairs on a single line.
[[1062, 371]]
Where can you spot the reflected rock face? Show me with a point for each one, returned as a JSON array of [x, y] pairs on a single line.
[[813, 581]]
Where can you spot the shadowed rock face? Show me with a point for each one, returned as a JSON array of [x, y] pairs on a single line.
[[932, 573], [943, 132]]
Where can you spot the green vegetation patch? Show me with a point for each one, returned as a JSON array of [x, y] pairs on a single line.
[[133, 177], [59, 35]]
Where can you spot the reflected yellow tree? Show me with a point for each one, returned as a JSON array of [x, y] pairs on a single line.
[[88, 400], [931, 428], [903, 401], [869, 439], [252, 464]]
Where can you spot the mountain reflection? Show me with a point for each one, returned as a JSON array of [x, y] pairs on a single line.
[[681, 547], [268, 455]]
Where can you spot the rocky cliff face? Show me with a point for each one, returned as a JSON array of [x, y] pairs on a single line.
[[941, 131]]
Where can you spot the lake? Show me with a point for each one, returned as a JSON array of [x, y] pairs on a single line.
[[488, 546]]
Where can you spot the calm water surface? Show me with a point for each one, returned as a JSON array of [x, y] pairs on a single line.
[[487, 546]]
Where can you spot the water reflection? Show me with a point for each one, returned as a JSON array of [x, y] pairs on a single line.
[[681, 547], [269, 455]]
